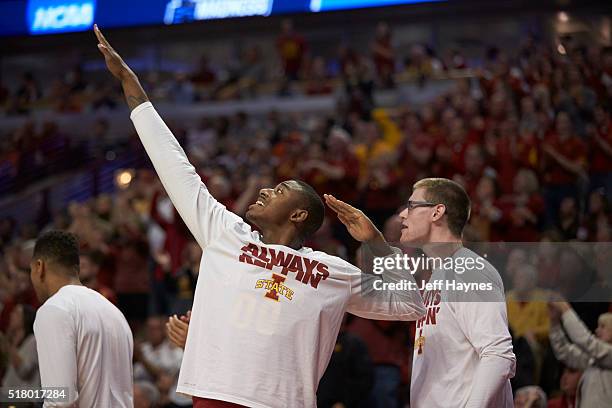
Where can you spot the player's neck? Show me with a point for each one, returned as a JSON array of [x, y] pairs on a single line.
[[282, 236], [59, 282], [442, 243]]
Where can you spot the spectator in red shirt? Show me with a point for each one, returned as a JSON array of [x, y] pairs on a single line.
[[132, 280], [204, 74], [485, 214], [569, 386], [379, 188], [474, 168], [292, 50], [564, 165], [529, 115], [450, 150], [16, 286], [417, 150], [341, 166], [528, 153], [568, 222], [600, 145], [90, 264], [523, 210], [383, 55], [175, 229], [504, 153], [318, 81]]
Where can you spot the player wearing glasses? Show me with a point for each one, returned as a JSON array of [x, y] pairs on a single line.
[[463, 350]]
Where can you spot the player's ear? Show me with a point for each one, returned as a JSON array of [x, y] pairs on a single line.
[[439, 211], [299, 216], [37, 269]]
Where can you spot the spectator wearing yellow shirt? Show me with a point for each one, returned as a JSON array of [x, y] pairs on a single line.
[[527, 307], [379, 179], [377, 141], [528, 313]]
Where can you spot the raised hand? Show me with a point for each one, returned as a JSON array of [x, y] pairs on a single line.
[[114, 62], [134, 94], [357, 223], [557, 305]]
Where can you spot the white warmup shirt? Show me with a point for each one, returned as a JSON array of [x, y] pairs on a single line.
[[265, 317], [463, 350], [84, 343]]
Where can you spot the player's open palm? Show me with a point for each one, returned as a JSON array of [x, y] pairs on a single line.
[[357, 223], [114, 62]]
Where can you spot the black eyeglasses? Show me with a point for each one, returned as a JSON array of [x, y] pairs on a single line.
[[414, 204]]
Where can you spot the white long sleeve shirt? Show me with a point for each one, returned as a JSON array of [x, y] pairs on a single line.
[[463, 350], [85, 344], [265, 317]]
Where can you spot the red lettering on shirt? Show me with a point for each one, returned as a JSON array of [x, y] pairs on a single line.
[[269, 258]]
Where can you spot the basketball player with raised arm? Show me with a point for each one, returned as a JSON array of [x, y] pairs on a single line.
[[266, 310], [463, 350]]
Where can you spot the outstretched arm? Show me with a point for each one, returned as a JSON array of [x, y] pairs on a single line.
[[359, 226], [367, 299], [204, 216], [596, 349]]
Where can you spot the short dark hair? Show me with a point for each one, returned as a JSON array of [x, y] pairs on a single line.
[[311, 202], [454, 198], [60, 248]]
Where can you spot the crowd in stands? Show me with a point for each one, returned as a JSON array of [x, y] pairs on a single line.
[[297, 70], [529, 136]]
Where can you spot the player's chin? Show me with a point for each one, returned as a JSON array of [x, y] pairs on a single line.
[[253, 213], [407, 238]]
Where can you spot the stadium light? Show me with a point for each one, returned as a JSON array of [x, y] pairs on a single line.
[[124, 178]]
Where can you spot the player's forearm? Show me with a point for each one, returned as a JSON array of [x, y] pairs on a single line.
[[385, 296], [379, 246], [132, 90], [407, 304], [491, 377]]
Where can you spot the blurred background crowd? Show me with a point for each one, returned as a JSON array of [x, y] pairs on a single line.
[[523, 126]]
